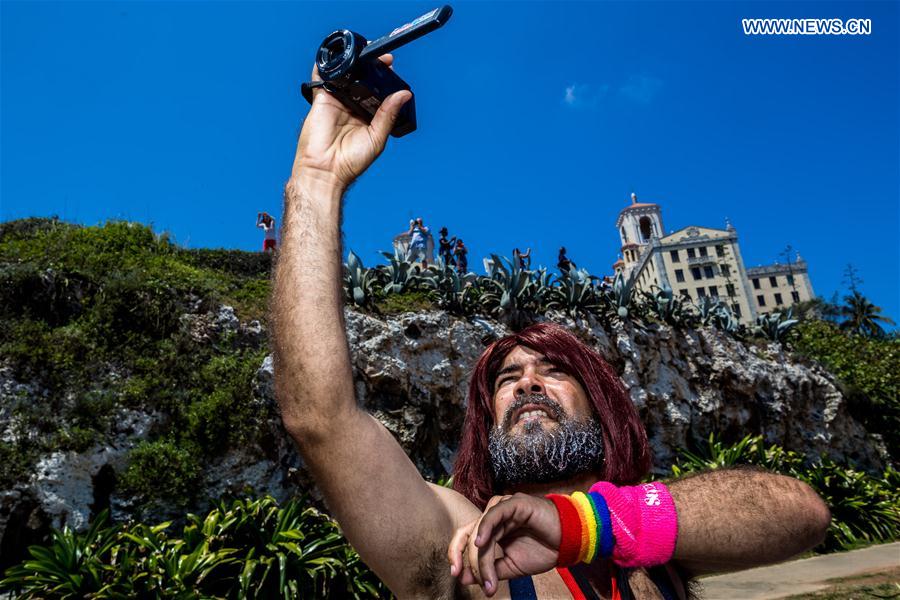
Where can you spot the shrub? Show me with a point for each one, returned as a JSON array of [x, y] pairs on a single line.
[[163, 469], [242, 549], [870, 369]]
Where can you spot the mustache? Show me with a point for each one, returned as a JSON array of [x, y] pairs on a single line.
[[553, 407]]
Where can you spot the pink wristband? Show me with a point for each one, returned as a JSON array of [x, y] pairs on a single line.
[[644, 522]]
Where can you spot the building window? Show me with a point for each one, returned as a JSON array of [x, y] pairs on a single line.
[[736, 309], [773, 281], [761, 300], [701, 292], [695, 271], [674, 255], [646, 228], [778, 299], [720, 250], [726, 270], [790, 279], [756, 284], [703, 251], [708, 272], [679, 275], [729, 289], [795, 296], [685, 293], [691, 253], [714, 291], [624, 237]]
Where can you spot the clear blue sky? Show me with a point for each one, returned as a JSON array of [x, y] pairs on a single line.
[[536, 121]]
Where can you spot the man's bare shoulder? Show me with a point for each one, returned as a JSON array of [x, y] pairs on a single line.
[[460, 509]]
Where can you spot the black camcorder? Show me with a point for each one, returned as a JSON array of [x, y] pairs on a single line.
[[350, 70]]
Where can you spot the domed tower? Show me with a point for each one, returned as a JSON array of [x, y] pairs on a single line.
[[638, 223]]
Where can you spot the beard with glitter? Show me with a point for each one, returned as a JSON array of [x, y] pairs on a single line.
[[540, 455]]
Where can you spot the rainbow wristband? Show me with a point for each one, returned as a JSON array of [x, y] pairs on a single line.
[[607, 541], [589, 527]]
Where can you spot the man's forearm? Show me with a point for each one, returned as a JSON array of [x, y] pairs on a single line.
[[313, 378], [737, 518]]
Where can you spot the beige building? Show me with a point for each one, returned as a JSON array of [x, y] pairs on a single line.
[[703, 261]]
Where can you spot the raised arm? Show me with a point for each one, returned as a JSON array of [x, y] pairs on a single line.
[[388, 512]]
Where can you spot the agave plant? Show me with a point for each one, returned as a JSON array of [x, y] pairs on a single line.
[[399, 274], [621, 293], [668, 307], [512, 293], [454, 292], [576, 293], [775, 326], [723, 318], [360, 283], [707, 307]]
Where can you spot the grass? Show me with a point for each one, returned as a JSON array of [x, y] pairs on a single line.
[[413, 301], [868, 586]]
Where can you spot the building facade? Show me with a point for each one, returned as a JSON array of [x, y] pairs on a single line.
[[703, 261]]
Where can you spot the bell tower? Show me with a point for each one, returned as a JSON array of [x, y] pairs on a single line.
[[638, 223]]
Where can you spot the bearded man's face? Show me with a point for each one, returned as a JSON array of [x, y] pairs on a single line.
[[545, 429]]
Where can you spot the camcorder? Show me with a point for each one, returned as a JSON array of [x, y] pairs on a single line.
[[351, 72]]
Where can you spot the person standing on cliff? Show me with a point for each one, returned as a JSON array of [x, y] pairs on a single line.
[[266, 222], [445, 248], [547, 420]]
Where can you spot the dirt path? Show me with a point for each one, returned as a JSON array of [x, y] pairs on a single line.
[[805, 576]]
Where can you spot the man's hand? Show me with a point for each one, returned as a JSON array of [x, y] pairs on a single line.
[[336, 146], [515, 536]]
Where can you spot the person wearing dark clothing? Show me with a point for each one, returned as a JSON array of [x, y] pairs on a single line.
[[523, 260], [460, 252], [563, 263], [445, 249]]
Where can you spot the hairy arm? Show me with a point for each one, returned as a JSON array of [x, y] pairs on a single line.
[[732, 519], [728, 519], [394, 519]]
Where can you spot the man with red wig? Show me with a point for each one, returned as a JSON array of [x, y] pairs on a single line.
[[545, 500]]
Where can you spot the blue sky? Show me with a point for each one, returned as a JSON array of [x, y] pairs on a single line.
[[536, 122]]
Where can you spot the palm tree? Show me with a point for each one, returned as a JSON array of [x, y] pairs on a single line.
[[863, 317]]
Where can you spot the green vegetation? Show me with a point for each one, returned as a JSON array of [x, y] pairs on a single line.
[[864, 509], [242, 549], [93, 319], [98, 320], [869, 368], [862, 317]]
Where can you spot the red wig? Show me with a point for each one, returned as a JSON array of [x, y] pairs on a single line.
[[626, 450]]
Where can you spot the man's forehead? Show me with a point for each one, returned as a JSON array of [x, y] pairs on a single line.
[[522, 355]]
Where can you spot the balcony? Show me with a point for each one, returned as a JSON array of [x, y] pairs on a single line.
[[697, 261]]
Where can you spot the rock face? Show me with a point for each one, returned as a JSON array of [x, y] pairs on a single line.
[[411, 371]]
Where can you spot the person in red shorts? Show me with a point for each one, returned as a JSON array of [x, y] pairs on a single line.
[[267, 223]]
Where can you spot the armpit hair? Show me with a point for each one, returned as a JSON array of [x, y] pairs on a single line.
[[431, 578]]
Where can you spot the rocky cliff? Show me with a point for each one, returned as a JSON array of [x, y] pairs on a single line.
[[411, 372]]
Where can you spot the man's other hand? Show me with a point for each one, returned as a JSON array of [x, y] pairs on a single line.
[[335, 146], [515, 536]]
